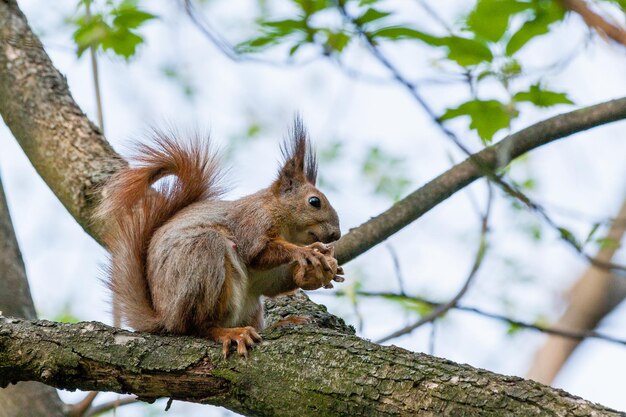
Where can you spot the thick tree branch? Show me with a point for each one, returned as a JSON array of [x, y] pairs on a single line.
[[65, 148], [317, 369], [26, 399], [379, 228]]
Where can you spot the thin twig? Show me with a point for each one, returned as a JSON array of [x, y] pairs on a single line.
[[396, 266], [442, 309], [510, 189], [572, 334], [431, 339], [80, 408], [225, 47], [432, 13], [96, 78], [103, 408]]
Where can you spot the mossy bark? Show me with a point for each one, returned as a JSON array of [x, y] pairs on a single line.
[[318, 369]]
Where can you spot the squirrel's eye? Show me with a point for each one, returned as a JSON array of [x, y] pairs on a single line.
[[315, 202]]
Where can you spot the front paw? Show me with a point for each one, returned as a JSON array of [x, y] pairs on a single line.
[[316, 267]]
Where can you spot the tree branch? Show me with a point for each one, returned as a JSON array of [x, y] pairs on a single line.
[[443, 308], [561, 332], [312, 370], [66, 149], [26, 399], [73, 157], [595, 21], [379, 228], [594, 295]]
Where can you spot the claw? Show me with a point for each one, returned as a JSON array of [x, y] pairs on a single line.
[[245, 337], [225, 348], [337, 278]]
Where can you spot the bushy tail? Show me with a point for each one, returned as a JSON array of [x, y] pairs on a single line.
[[133, 208]]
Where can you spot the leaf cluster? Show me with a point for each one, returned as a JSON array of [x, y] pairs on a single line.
[[115, 28]]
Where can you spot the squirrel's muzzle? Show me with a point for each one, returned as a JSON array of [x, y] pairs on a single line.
[[331, 235]]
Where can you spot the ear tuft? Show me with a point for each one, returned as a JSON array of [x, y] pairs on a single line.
[[300, 163]]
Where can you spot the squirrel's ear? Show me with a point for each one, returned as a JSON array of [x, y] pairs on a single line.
[[300, 164]]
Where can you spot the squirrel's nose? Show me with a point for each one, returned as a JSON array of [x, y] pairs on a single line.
[[334, 235]]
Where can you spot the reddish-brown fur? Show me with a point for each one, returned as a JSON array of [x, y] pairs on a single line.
[[183, 261]]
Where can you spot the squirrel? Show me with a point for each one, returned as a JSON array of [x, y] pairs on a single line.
[[183, 261]]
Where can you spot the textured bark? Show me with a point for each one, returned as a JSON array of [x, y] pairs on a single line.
[[319, 369], [65, 148], [594, 295], [25, 399]]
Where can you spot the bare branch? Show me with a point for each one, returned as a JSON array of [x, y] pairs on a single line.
[[594, 295], [80, 408], [442, 309], [556, 331], [595, 21], [111, 405], [379, 228], [504, 154]]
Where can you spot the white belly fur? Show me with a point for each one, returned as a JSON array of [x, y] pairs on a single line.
[[243, 302]]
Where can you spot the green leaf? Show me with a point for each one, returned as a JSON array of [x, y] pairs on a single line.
[[466, 51], [123, 42], [592, 232], [487, 116], [511, 68], [256, 44], [546, 13], [535, 231], [90, 33], [284, 27], [294, 49], [410, 304], [115, 29], [337, 41], [370, 15], [490, 18], [131, 18], [331, 152], [569, 236], [607, 243], [513, 329], [310, 7], [542, 98], [401, 33], [66, 315], [529, 184]]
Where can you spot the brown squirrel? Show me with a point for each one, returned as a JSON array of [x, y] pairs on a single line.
[[185, 262]]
